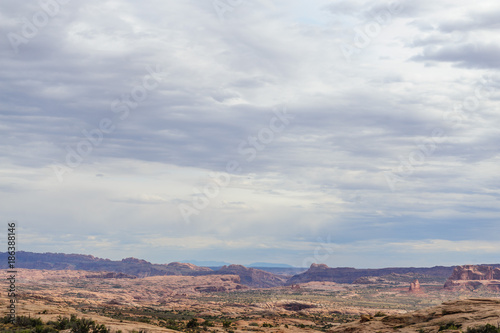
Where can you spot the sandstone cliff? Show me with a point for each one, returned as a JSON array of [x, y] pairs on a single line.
[[253, 277], [465, 313], [473, 277], [414, 287]]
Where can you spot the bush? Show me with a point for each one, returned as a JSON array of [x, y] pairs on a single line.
[[193, 323], [24, 321], [449, 326], [86, 326], [380, 314], [62, 323], [483, 329], [226, 323]]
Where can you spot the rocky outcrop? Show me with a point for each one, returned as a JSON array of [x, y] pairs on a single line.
[[177, 268], [415, 287], [473, 277], [253, 277], [463, 313]]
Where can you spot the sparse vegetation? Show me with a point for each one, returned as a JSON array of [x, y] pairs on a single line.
[[449, 326], [193, 323], [488, 328], [25, 324]]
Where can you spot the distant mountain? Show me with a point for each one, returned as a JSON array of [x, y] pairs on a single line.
[[131, 266], [206, 263], [265, 277], [268, 265], [321, 272]]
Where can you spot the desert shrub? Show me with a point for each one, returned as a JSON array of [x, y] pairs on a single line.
[[61, 323], [380, 314], [226, 323], [193, 323], [24, 321], [449, 326], [488, 328], [171, 324], [253, 324], [42, 329], [267, 325], [84, 325]]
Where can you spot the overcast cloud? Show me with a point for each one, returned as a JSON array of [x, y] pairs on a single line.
[[353, 133]]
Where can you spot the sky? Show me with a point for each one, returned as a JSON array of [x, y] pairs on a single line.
[[351, 133]]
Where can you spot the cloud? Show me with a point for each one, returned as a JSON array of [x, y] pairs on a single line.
[[466, 55], [219, 84]]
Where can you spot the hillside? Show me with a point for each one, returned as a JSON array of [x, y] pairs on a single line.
[[139, 268], [321, 272], [461, 313], [253, 277]]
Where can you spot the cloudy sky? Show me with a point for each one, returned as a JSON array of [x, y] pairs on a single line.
[[352, 133]]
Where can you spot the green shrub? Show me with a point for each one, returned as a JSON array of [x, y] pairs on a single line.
[[24, 321], [449, 326], [483, 329], [193, 323]]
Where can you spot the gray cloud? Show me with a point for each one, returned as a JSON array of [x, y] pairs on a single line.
[[220, 84]]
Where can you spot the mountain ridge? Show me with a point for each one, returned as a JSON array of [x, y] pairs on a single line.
[[253, 277]]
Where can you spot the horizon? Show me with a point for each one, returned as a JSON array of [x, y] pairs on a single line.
[[248, 265], [350, 133]]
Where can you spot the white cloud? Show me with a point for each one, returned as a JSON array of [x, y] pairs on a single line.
[[322, 175]]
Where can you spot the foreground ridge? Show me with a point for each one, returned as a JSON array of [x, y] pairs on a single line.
[[461, 313]]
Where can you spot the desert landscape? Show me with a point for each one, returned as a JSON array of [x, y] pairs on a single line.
[[135, 295]]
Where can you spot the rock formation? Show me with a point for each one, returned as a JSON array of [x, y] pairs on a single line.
[[464, 313], [414, 287], [473, 277], [253, 277]]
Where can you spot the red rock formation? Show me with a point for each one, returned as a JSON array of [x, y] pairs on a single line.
[[253, 277], [473, 277], [414, 287]]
